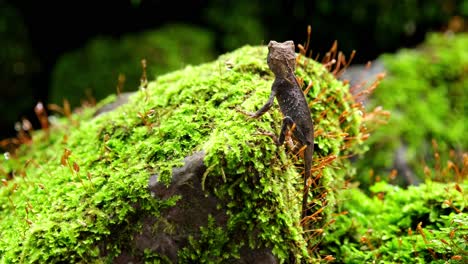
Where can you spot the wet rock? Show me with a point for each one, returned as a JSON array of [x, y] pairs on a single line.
[[360, 76], [169, 233], [121, 100]]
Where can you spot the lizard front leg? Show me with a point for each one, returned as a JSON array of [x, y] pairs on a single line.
[[263, 109]]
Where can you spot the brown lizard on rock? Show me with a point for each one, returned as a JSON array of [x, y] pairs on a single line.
[[297, 117]]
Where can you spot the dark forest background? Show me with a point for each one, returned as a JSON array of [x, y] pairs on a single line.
[[34, 35]]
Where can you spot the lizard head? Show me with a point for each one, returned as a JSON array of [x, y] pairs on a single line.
[[281, 58]]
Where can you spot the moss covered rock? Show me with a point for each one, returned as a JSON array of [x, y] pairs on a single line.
[[80, 193], [95, 68], [421, 224]]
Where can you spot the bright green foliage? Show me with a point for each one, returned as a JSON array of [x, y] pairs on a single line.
[[385, 229], [96, 67], [426, 91], [209, 248], [51, 211]]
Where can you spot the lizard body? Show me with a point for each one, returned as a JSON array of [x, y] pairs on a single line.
[[297, 117]]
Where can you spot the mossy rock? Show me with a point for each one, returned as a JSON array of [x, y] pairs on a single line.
[[79, 192], [426, 91], [95, 68]]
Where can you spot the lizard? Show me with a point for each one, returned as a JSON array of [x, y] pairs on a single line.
[[297, 119]]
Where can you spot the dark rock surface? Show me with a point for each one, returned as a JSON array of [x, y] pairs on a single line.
[[168, 233], [361, 76], [121, 100]]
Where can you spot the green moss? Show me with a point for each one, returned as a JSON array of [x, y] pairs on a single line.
[[426, 91], [96, 67], [51, 211], [385, 229]]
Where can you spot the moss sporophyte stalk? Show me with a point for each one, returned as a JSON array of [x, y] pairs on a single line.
[[427, 223], [80, 193], [426, 90]]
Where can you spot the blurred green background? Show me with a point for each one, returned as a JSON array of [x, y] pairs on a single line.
[[56, 49], [426, 91]]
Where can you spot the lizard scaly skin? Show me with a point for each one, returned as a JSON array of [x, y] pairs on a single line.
[[297, 117]]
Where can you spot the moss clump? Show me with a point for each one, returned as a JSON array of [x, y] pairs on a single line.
[[79, 194], [422, 224], [97, 66], [426, 91]]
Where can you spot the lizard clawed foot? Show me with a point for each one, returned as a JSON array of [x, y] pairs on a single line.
[[248, 114], [269, 134]]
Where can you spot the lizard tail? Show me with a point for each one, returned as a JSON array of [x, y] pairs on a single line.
[[307, 174]]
